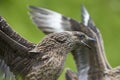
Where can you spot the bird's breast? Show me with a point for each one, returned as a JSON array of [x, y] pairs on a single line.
[[49, 69]]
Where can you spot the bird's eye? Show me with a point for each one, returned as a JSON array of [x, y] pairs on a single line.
[[82, 36]]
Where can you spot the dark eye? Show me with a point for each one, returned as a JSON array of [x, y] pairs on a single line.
[[82, 36]]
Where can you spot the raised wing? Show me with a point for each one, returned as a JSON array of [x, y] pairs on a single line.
[[4, 27], [13, 51], [49, 21], [87, 21]]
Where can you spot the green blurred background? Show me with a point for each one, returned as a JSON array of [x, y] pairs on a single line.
[[105, 13]]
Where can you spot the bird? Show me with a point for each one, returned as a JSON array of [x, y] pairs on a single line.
[[20, 58], [91, 64], [53, 22]]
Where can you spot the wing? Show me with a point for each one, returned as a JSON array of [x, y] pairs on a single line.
[[49, 21], [4, 27], [13, 51], [87, 21]]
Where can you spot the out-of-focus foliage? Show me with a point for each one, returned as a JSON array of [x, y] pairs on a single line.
[[105, 13]]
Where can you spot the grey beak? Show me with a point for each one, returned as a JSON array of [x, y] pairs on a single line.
[[89, 39]]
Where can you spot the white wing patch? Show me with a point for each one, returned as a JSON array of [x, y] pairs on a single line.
[[85, 16], [54, 21], [47, 20]]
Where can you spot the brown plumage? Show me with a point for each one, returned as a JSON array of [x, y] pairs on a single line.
[[45, 61], [91, 63]]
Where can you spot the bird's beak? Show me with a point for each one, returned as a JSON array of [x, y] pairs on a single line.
[[91, 39], [88, 40]]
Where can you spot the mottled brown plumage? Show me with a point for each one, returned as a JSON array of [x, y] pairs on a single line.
[[91, 63], [45, 61]]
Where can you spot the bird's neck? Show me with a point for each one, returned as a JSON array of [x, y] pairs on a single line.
[[91, 62]]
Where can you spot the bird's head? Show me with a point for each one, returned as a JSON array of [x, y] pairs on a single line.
[[63, 41], [81, 39]]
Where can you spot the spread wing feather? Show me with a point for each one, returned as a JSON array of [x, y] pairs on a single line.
[[4, 27], [13, 52], [49, 21]]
